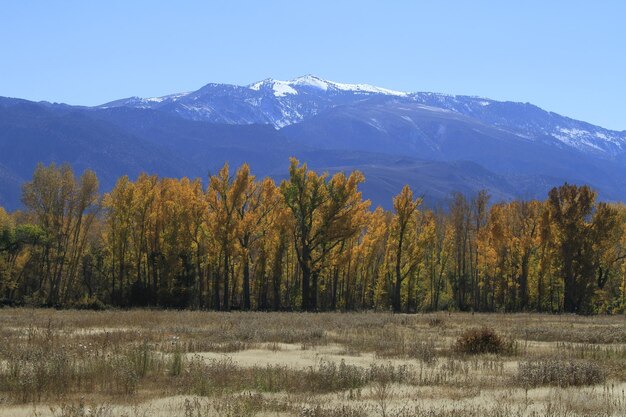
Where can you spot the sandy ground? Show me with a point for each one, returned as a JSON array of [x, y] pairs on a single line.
[[293, 355]]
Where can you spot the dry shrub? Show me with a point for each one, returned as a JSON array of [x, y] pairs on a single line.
[[244, 404], [241, 405], [483, 340], [332, 377], [208, 346], [82, 410], [559, 373], [340, 411], [388, 373], [214, 376], [34, 373], [223, 376], [424, 351], [176, 363]]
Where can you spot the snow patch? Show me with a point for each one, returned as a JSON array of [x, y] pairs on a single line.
[[310, 81], [375, 123], [436, 109], [172, 97], [257, 86], [367, 89], [573, 131], [282, 88]]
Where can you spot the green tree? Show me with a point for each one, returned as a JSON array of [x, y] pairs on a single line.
[[571, 208]]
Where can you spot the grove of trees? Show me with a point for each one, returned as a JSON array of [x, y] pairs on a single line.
[[311, 243]]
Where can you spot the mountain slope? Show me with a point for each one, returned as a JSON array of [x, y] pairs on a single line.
[[267, 151], [422, 132], [282, 103], [435, 143], [127, 141], [31, 133]]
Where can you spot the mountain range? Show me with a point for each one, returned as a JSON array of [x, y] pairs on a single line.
[[434, 142]]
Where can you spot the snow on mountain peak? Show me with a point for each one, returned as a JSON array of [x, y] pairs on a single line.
[[310, 81], [313, 81], [257, 86], [368, 89], [282, 88]]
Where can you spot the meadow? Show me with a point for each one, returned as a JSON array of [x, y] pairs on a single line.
[[142, 363]]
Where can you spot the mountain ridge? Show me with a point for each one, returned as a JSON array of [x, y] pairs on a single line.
[[275, 102], [447, 142]]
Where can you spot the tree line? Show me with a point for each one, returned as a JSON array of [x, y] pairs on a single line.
[[311, 243]]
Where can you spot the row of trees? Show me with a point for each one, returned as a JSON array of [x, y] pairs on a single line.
[[311, 243]]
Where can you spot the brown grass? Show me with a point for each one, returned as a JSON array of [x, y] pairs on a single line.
[[357, 364]]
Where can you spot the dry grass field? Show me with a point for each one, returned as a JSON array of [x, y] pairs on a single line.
[[197, 364]]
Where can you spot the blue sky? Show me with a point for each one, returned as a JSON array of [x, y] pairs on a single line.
[[565, 56]]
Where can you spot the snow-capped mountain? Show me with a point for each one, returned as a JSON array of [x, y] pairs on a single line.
[[275, 102], [283, 103], [436, 143]]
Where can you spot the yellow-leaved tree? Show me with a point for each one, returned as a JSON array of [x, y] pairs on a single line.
[[325, 213]]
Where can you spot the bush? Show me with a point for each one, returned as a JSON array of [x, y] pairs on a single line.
[[328, 376], [483, 340], [82, 410], [424, 351], [88, 303], [559, 373]]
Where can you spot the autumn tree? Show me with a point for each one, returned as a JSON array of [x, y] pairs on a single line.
[[64, 208], [571, 210], [460, 221], [15, 239], [258, 201], [405, 207], [608, 250], [311, 244], [225, 196], [526, 218], [118, 206], [479, 213], [325, 212]]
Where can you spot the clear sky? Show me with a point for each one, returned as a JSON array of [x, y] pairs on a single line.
[[565, 56]]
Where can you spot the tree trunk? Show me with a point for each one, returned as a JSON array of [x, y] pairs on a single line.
[[523, 283], [313, 291], [397, 302], [226, 299], [216, 288], [246, 282], [333, 303]]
